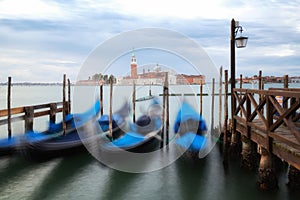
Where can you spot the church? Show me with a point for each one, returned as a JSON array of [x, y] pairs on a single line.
[[156, 76]]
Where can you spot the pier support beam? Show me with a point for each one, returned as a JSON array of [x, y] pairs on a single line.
[[29, 115], [249, 158], [267, 179], [294, 178], [235, 145]]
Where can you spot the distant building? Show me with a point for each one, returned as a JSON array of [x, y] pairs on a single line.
[[133, 66], [295, 79], [190, 79], [156, 76]]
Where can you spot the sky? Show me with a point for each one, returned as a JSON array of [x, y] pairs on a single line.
[[42, 40]]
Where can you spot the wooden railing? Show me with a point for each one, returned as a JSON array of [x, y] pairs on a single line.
[[28, 113], [261, 110]]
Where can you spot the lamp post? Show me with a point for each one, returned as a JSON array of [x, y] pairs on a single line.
[[240, 42]]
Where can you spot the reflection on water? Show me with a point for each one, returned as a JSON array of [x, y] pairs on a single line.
[[82, 177]]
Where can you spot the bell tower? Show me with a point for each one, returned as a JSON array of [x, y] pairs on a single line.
[[133, 66]]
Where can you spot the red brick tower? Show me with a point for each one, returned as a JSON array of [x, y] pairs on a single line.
[[133, 66]]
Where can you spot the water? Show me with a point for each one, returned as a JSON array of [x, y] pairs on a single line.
[[82, 177]]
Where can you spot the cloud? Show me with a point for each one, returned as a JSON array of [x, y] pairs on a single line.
[[30, 9], [58, 35]]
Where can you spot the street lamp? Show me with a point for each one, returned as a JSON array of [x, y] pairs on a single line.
[[240, 42]]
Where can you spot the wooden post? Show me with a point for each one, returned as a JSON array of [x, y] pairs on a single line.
[[201, 95], [163, 119], [225, 137], [260, 80], [212, 104], [53, 110], [285, 85], [241, 80], [110, 107], [101, 97], [285, 81], [64, 105], [133, 101], [166, 91], [260, 84], [220, 97], [235, 139], [9, 107], [69, 96], [150, 93], [29, 116], [241, 86]]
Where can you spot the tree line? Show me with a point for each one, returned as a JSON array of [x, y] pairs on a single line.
[[102, 77]]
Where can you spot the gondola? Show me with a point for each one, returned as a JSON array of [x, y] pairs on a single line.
[[12, 144], [190, 129], [8, 145], [73, 141], [141, 137], [145, 98]]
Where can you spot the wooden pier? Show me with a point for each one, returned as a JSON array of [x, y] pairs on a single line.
[[29, 113], [269, 123]]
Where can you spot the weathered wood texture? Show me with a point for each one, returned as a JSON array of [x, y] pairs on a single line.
[[278, 129], [28, 113]]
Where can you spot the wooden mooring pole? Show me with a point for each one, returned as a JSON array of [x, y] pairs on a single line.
[[212, 104], [166, 91], [69, 96], [101, 97], [110, 107], [9, 107], [225, 137], [201, 95], [220, 97], [165, 116], [285, 85], [133, 101], [260, 87], [64, 105], [285, 81], [241, 86]]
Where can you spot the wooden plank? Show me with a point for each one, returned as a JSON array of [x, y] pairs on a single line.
[[284, 113], [288, 122], [295, 94], [240, 119], [13, 111], [42, 113], [240, 104], [289, 155], [257, 110], [41, 106], [286, 89], [13, 119], [284, 139], [257, 126], [259, 138]]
